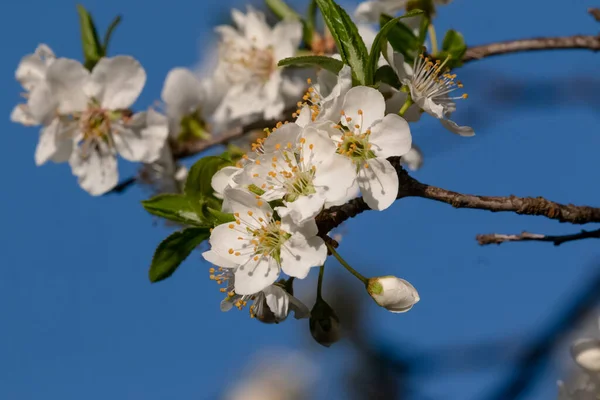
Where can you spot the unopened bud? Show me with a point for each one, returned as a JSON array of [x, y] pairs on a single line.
[[324, 324], [394, 294], [586, 353]]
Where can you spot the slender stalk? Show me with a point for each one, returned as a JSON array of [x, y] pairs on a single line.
[[320, 282], [433, 37], [409, 102], [346, 265]]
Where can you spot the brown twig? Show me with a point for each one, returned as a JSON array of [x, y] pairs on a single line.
[[595, 12], [410, 187], [589, 42], [497, 238]]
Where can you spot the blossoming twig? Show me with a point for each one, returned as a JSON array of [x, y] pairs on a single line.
[[496, 238], [410, 187], [543, 43]]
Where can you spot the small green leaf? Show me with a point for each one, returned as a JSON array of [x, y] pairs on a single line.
[[174, 250], [328, 63], [310, 23], [454, 46], [198, 183], [108, 35], [386, 74], [349, 42], [381, 40], [173, 207], [401, 38], [92, 49], [219, 217]]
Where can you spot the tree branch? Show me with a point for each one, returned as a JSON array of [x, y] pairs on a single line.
[[588, 42], [496, 238], [410, 187]]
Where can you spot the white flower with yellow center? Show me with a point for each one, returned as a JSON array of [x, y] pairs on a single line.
[[367, 137], [430, 88], [300, 166], [323, 102], [248, 57], [258, 246], [31, 74], [89, 121]]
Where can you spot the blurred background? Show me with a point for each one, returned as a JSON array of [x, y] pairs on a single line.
[[80, 320]]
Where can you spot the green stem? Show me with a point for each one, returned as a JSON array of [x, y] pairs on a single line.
[[346, 265], [320, 282], [409, 102], [433, 37]]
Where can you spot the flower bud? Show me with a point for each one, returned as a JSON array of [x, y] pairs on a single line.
[[394, 294], [324, 324], [586, 353]]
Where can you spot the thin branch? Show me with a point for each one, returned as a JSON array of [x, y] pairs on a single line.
[[497, 238], [595, 12], [410, 187], [588, 42]]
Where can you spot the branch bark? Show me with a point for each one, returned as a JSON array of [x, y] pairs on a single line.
[[410, 187], [497, 238]]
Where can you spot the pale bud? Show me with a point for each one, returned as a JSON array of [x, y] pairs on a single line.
[[586, 353], [394, 294]]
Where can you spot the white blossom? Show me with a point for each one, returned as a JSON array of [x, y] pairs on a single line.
[[430, 88], [392, 293], [31, 74], [370, 11], [258, 247], [301, 167], [368, 137], [413, 160], [248, 57], [90, 122]]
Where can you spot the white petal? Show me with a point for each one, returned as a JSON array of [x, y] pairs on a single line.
[[223, 178], [31, 71], [55, 144], [247, 206], [378, 184], [331, 105], [256, 275], [322, 147], [304, 118], [278, 301], [334, 178], [286, 36], [391, 136], [182, 92], [395, 294], [96, 169], [117, 82], [303, 208], [21, 115], [413, 159], [143, 138], [224, 243], [42, 103], [586, 353], [307, 229], [66, 79], [367, 99], [453, 127], [299, 255], [287, 133], [214, 258]]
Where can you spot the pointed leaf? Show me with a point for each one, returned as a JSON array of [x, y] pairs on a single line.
[[174, 207], [454, 46], [198, 183], [400, 37], [92, 49], [219, 217], [328, 63], [108, 35], [174, 250]]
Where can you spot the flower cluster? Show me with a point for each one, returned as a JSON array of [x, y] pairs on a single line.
[[338, 146]]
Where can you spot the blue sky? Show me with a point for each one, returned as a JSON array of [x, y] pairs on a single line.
[[79, 318]]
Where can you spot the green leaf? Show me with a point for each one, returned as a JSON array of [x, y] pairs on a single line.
[[400, 37], [380, 42], [174, 207], [310, 23], [328, 63], [454, 45], [386, 74], [92, 49], [219, 217], [174, 250], [349, 42], [198, 183], [108, 35]]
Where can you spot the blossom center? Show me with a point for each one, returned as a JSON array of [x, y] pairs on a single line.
[[95, 123], [431, 80], [192, 127], [248, 63]]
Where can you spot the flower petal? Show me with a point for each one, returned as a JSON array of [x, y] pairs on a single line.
[[390, 137], [223, 178], [216, 259], [299, 254], [55, 144], [413, 159], [96, 169], [370, 101], [278, 301], [66, 79], [302, 209], [378, 184], [256, 275], [143, 138], [182, 92], [224, 242], [116, 82], [248, 207], [453, 127]]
